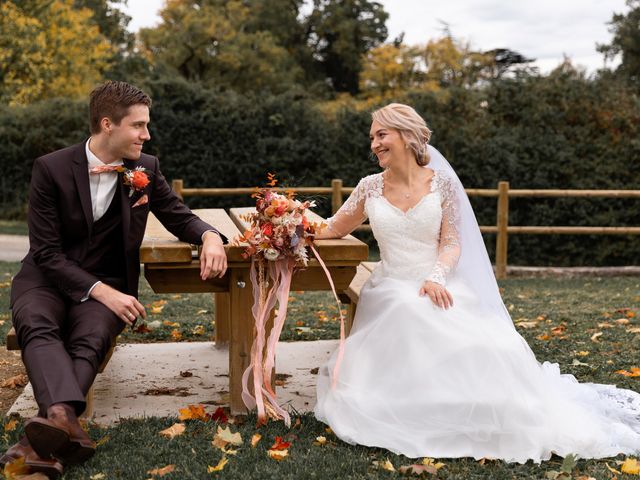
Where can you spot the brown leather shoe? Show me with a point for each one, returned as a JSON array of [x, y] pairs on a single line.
[[60, 435], [50, 467]]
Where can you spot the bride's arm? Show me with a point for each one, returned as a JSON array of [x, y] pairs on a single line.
[[448, 247], [349, 216]]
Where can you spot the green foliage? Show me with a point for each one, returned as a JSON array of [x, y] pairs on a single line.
[[626, 42]]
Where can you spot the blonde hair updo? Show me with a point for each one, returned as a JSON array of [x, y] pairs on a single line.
[[412, 127]]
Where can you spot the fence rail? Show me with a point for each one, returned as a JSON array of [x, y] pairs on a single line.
[[503, 193]]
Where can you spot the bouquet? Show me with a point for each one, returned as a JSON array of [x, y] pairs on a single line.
[[277, 242]]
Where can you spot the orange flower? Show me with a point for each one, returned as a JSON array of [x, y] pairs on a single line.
[[139, 180]]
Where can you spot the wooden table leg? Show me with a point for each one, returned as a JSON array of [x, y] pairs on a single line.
[[241, 334], [222, 317]]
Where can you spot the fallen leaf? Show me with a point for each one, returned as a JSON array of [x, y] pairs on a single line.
[[631, 314], [623, 321], [224, 436], [223, 461], [635, 372], [15, 468], [320, 440], [198, 330], [193, 412], [531, 324], [280, 444], [98, 476], [633, 330], [417, 469], [161, 472], [278, 454], [219, 416], [386, 465], [142, 328], [595, 336], [432, 462], [167, 323], [102, 441], [201, 312], [10, 426], [156, 310], [585, 477], [630, 466], [545, 336], [255, 439], [174, 430], [605, 325], [582, 353], [17, 381], [175, 334], [186, 374]]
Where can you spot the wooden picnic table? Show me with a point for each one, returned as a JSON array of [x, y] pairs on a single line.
[[172, 266]]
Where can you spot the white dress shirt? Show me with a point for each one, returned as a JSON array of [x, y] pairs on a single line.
[[103, 186]]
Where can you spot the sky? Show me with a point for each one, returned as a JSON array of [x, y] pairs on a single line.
[[546, 30]]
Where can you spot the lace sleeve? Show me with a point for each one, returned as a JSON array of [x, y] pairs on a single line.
[[351, 213], [449, 244]]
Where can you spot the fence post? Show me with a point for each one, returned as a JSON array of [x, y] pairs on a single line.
[[502, 222], [336, 195], [177, 187]]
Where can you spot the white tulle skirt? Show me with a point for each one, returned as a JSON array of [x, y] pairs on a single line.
[[422, 381]]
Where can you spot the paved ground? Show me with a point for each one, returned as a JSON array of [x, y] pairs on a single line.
[[158, 379], [13, 248]]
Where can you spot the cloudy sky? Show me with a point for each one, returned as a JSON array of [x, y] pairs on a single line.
[[542, 29]]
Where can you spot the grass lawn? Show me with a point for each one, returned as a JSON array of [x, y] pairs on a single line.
[[588, 325], [13, 227]]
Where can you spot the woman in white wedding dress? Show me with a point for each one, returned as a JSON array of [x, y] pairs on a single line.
[[433, 365]]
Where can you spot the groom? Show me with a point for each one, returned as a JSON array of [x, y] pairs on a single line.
[[78, 284]]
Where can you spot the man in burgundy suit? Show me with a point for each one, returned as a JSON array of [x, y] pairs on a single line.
[[78, 284]]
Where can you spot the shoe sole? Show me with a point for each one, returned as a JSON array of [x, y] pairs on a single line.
[[75, 452], [46, 468], [46, 440]]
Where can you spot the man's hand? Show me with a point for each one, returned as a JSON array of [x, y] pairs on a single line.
[[213, 258], [126, 307], [439, 295]]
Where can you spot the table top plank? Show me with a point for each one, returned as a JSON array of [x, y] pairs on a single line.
[[161, 246]]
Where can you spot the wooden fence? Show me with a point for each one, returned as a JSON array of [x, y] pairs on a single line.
[[503, 193]]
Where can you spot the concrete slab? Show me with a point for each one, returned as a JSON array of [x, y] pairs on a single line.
[[158, 379], [13, 248]]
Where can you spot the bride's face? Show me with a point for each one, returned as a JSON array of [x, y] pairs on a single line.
[[386, 144]]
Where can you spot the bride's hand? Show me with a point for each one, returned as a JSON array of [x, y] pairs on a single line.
[[439, 295]]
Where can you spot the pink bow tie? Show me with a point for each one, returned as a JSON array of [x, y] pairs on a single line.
[[106, 169]]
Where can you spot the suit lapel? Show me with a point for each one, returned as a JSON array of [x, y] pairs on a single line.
[[125, 201], [80, 169]]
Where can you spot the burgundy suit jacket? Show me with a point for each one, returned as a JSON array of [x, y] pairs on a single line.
[[60, 221]]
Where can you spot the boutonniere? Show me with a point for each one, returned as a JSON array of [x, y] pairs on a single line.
[[136, 179]]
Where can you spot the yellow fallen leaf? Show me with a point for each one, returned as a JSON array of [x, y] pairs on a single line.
[[98, 476], [595, 336], [630, 466], [320, 440], [15, 468], [10, 426], [219, 466], [156, 310], [200, 312], [278, 454], [102, 441], [255, 439], [582, 353], [167, 323], [635, 372], [605, 325], [174, 430], [386, 465], [225, 435], [633, 330], [198, 330], [531, 324], [193, 412], [432, 462], [161, 472]]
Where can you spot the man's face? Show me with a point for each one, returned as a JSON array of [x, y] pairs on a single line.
[[127, 138]]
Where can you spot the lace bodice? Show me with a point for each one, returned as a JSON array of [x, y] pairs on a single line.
[[419, 244]]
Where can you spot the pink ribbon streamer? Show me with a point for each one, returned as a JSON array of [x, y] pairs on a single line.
[[263, 353], [336, 367]]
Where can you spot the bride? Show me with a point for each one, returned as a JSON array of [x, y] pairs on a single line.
[[433, 365]]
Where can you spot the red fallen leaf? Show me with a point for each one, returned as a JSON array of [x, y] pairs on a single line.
[[280, 444], [142, 328], [219, 416]]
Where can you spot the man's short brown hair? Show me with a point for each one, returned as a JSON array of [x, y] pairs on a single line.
[[112, 100]]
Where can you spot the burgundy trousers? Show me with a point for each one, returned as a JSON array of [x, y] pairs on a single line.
[[63, 344]]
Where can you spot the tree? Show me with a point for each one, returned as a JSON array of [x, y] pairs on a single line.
[[49, 49], [208, 41], [625, 42], [340, 33], [391, 69]]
